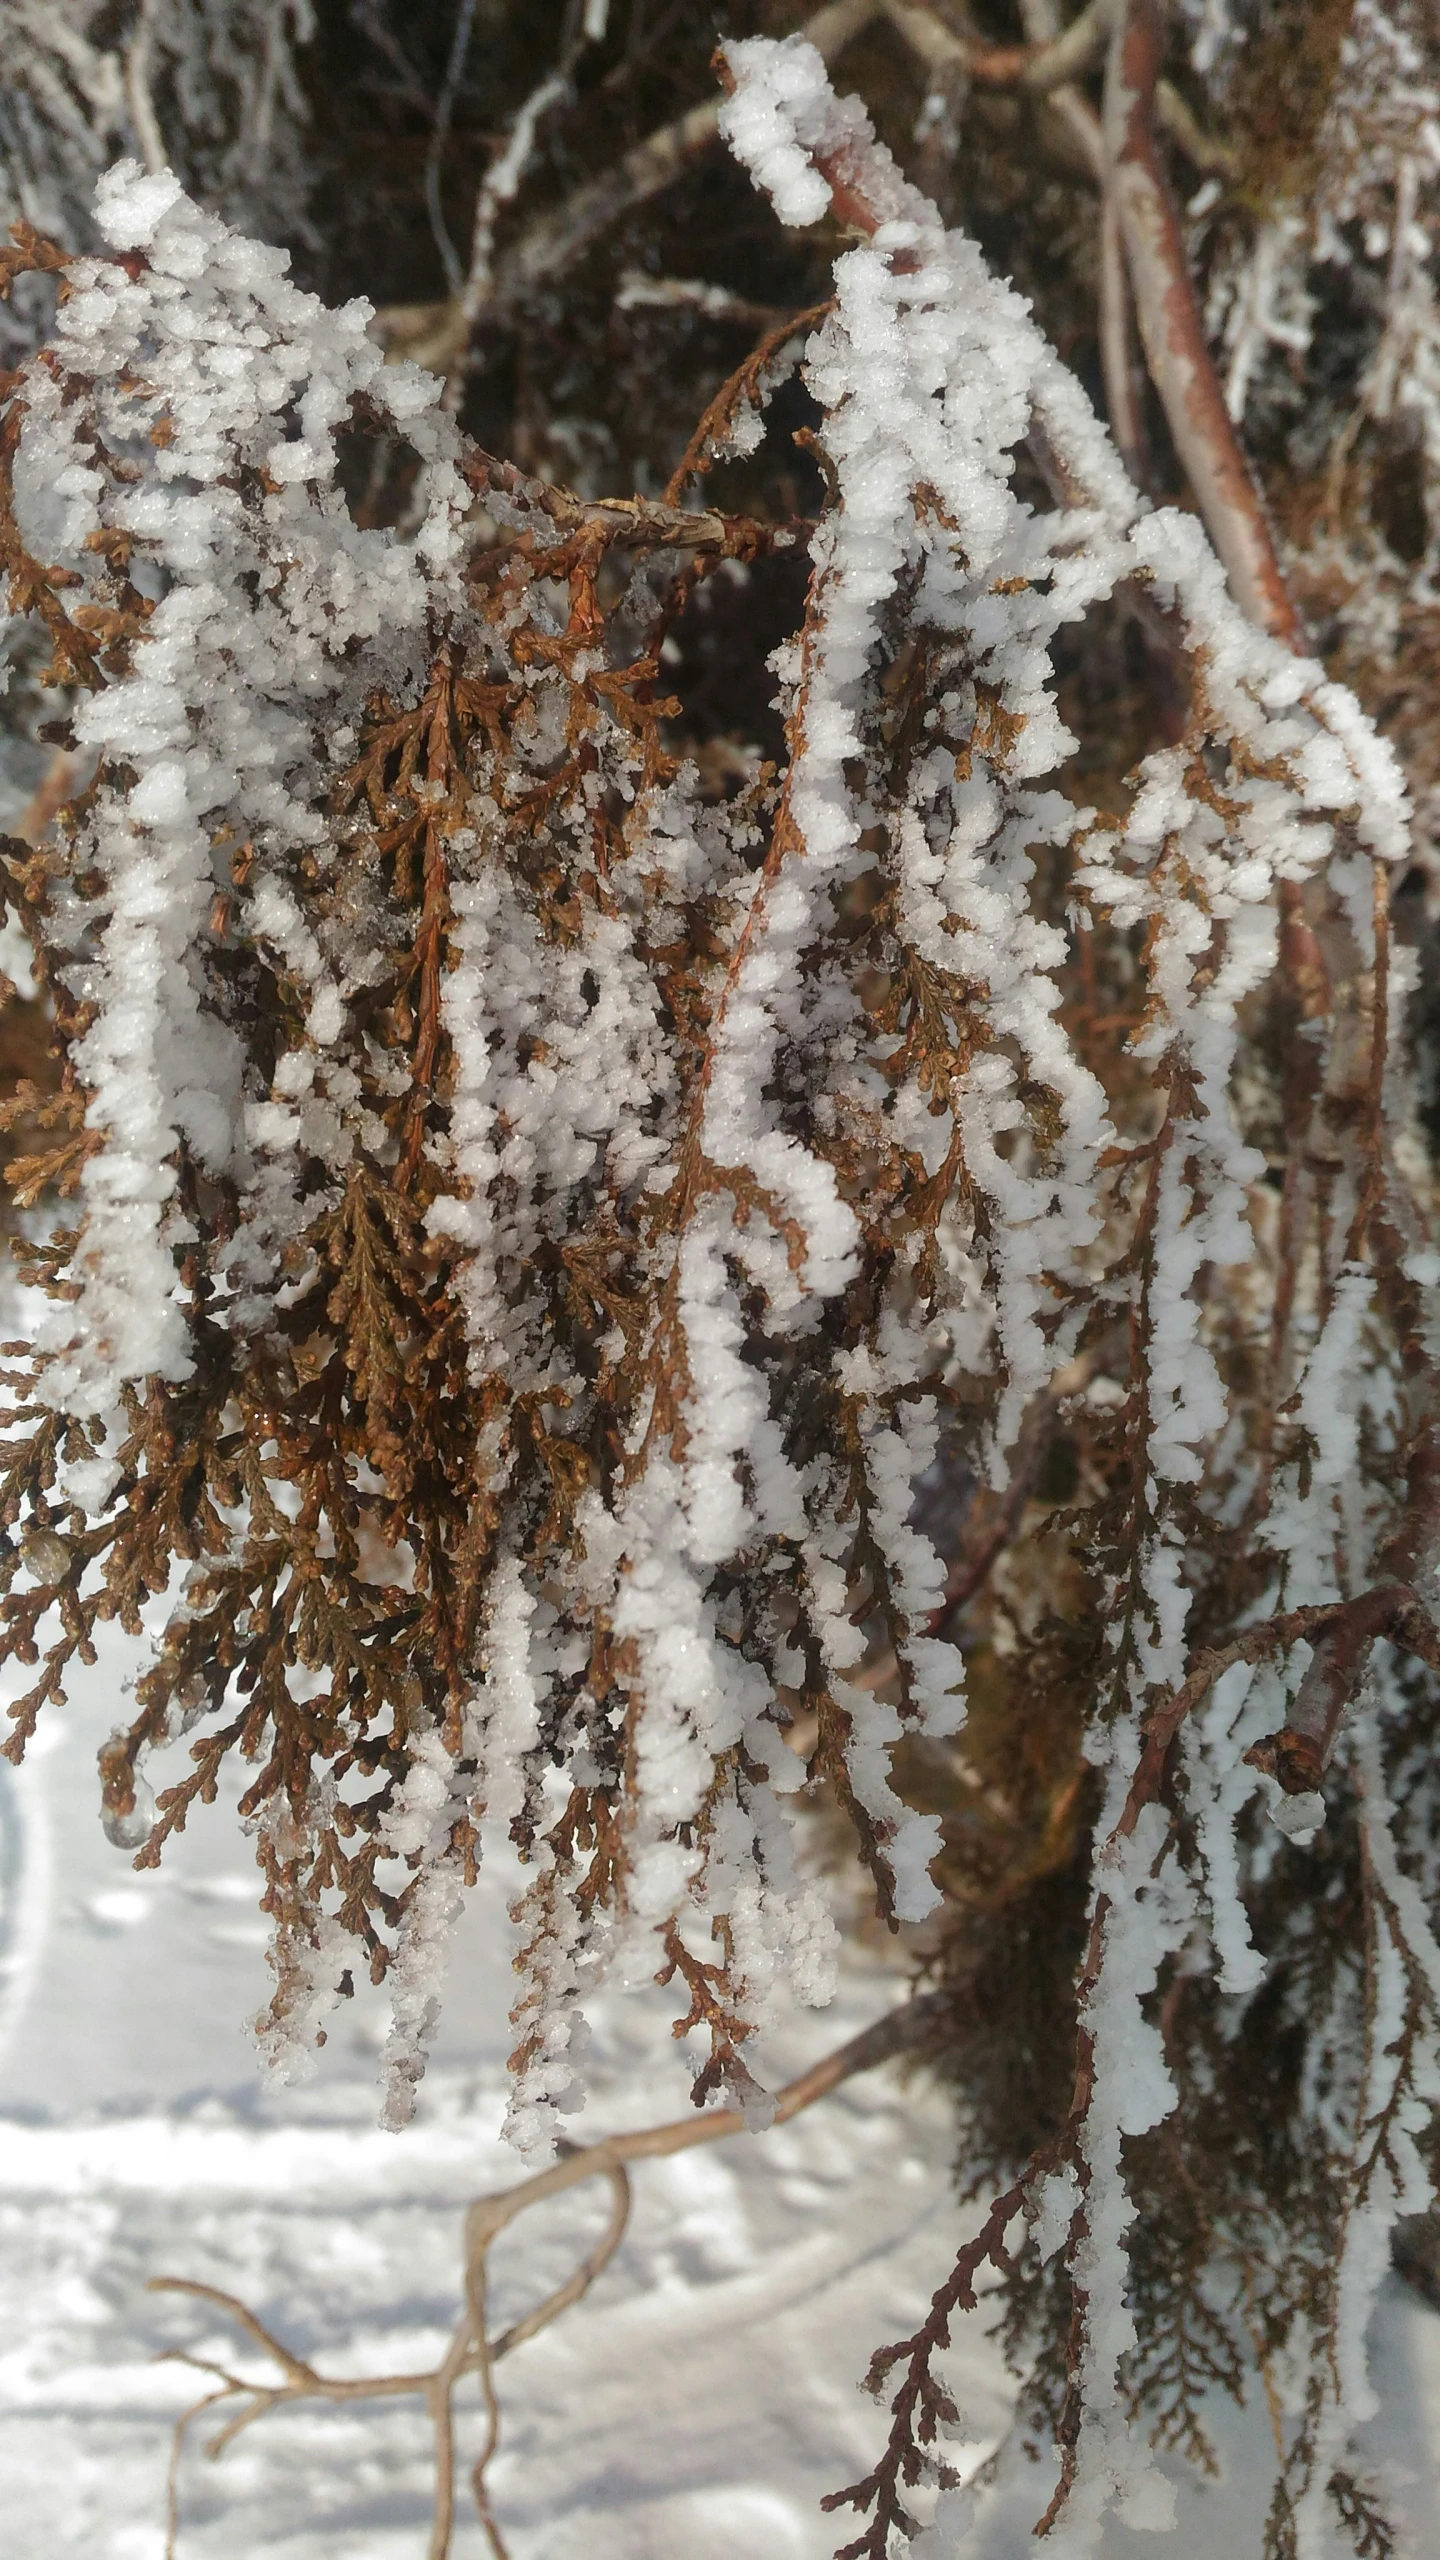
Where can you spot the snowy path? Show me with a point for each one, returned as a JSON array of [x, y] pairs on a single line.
[[696, 2407], [699, 2403]]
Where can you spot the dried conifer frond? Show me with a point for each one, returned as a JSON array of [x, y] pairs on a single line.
[[421, 1229]]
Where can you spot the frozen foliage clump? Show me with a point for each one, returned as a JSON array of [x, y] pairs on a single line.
[[346, 1081], [1330, 239], [209, 88], [541, 1220], [1261, 818], [265, 625]]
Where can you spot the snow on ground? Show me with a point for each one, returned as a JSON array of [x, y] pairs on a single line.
[[695, 2407]]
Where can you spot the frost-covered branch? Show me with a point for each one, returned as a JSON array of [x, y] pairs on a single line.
[[557, 1217], [791, 130]]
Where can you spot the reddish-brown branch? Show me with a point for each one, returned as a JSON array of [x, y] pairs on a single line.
[[1372, 1176], [921, 2405], [1305, 1001], [647, 523], [1299, 1755], [745, 379], [1173, 333]]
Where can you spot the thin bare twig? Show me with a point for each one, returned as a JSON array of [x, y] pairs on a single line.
[[1066, 111], [438, 334], [746, 378], [558, 239], [1117, 344], [471, 2349], [970, 1573], [1038, 67], [440, 135], [575, 2284], [640, 292], [138, 98], [1372, 1178], [1047, 69]]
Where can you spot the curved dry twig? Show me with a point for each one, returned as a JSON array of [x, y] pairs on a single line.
[[1046, 64], [471, 2349], [478, 2235]]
